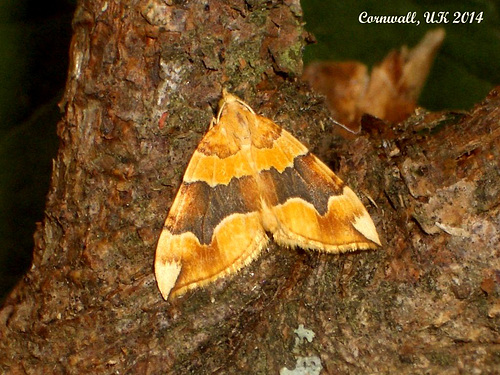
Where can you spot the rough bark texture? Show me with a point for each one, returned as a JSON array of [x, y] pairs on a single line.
[[143, 84]]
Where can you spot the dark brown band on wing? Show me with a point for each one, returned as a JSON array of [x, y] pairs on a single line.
[[205, 207], [305, 181]]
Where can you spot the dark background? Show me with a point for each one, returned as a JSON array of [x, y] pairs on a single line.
[[34, 41], [466, 67]]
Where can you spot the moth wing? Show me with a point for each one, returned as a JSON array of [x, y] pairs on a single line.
[[313, 209], [212, 229]]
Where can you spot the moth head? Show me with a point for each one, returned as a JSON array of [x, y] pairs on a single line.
[[230, 99]]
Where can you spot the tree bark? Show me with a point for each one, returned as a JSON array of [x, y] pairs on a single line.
[[143, 84]]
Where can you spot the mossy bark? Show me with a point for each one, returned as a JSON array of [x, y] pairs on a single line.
[[142, 87]]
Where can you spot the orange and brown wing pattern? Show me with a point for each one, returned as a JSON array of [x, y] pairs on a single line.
[[247, 177], [213, 227], [313, 209]]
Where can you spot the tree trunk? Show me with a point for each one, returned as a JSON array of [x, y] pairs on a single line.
[[143, 84]]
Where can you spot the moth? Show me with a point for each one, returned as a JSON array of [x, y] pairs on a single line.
[[249, 179]]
